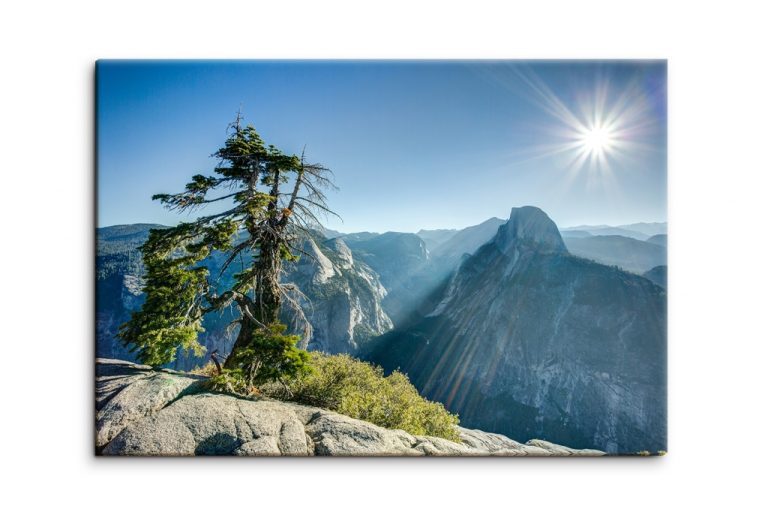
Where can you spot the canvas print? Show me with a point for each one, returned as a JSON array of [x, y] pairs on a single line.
[[381, 258]]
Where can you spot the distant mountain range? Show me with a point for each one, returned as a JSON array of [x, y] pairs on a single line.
[[658, 240], [465, 242], [624, 252], [435, 237], [658, 275], [639, 230]]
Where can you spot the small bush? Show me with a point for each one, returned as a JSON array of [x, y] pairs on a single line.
[[360, 390]]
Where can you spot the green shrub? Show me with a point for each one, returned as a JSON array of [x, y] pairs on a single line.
[[360, 390], [271, 356]]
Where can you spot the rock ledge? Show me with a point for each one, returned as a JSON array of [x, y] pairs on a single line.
[[140, 411]]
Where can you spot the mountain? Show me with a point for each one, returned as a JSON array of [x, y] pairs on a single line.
[[605, 231], [638, 231], [117, 247], [435, 237], [140, 411], [403, 264], [628, 253], [394, 256], [408, 268], [658, 275], [658, 240], [343, 295], [118, 282], [465, 241], [361, 236], [135, 232], [575, 233], [647, 228], [529, 340], [331, 233]]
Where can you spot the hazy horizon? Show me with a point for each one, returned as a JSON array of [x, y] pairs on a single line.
[[457, 228], [413, 145]]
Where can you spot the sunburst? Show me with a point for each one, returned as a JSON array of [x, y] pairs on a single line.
[[598, 132], [597, 140]]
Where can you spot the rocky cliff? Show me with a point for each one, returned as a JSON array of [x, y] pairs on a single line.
[[144, 412], [529, 340], [344, 297]]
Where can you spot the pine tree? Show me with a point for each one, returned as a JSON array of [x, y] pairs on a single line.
[[276, 199]]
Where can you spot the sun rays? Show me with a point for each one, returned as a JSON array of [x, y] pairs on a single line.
[[593, 130]]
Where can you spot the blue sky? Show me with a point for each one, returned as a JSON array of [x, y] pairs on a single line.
[[412, 144]]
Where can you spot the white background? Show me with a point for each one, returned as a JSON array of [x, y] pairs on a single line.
[[718, 112]]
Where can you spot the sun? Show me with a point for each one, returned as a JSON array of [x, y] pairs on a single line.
[[598, 130], [597, 139]]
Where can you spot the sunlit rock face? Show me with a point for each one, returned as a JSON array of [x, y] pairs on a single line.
[[530, 341], [315, 264], [343, 297]]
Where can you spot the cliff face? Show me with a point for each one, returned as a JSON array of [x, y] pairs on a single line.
[[344, 297], [145, 412], [530, 341]]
